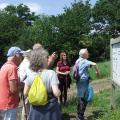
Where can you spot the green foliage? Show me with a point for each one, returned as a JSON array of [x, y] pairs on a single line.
[[13, 21], [69, 31], [107, 14], [104, 68], [74, 25], [101, 101], [22, 12], [71, 106], [110, 115], [10, 28], [99, 106], [116, 98]]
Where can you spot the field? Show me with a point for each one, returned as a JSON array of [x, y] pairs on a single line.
[[100, 107], [100, 103]]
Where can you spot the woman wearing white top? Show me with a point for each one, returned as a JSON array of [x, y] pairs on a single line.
[[50, 111]]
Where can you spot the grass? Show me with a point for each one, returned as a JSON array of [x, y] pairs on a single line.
[[70, 107], [108, 113], [99, 107], [104, 68], [100, 101]]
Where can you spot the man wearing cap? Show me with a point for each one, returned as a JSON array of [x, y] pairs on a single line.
[[9, 84]]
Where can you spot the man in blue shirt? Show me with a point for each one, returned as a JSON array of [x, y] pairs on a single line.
[[83, 81]]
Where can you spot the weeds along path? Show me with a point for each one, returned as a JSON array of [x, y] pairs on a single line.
[[98, 85]]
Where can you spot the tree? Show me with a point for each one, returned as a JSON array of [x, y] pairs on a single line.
[[106, 14], [74, 27], [23, 12], [13, 21], [9, 29]]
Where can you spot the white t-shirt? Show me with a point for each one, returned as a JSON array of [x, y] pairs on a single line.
[[24, 70], [49, 78]]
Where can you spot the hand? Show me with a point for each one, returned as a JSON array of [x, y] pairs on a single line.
[[52, 59], [67, 72], [97, 73], [54, 56]]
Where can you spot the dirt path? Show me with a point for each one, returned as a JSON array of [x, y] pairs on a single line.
[[98, 86]]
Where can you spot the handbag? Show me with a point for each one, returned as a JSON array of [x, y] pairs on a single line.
[[90, 93]]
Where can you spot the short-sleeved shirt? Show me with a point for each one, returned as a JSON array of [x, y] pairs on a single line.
[[62, 68], [49, 78], [84, 64], [8, 100], [82, 84]]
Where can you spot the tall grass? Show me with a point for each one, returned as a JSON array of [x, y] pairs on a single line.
[[101, 101], [104, 68], [100, 107]]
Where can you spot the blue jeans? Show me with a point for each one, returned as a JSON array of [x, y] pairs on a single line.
[[10, 114], [82, 88]]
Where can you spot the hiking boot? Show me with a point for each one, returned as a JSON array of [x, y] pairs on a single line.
[[80, 118]]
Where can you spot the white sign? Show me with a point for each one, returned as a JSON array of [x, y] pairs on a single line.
[[115, 64]]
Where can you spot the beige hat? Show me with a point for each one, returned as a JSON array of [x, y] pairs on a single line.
[[26, 53]]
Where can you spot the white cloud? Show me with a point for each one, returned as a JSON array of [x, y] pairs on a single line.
[[3, 5], [34, 7]]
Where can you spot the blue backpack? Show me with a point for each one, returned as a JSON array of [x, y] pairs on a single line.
[[90, 93]]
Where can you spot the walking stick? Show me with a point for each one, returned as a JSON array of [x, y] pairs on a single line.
[[24, 106]]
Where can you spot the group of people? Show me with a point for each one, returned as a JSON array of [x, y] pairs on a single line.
[[22, 67]]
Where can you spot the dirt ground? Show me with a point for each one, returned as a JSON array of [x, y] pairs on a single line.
[[98, 86]]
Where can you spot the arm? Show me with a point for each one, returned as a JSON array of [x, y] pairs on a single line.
[[96, 68], [13, 86], [13, 80], [56, 90], [26, 90], [52, 59], [67, 72], [58, 72], [54, 84]]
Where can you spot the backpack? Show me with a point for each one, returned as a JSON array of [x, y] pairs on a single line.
[[38, 93], [76, 70]]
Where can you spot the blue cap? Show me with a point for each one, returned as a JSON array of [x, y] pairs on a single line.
[[13, 51]]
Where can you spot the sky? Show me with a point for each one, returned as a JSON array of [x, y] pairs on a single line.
[[48, 7]]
